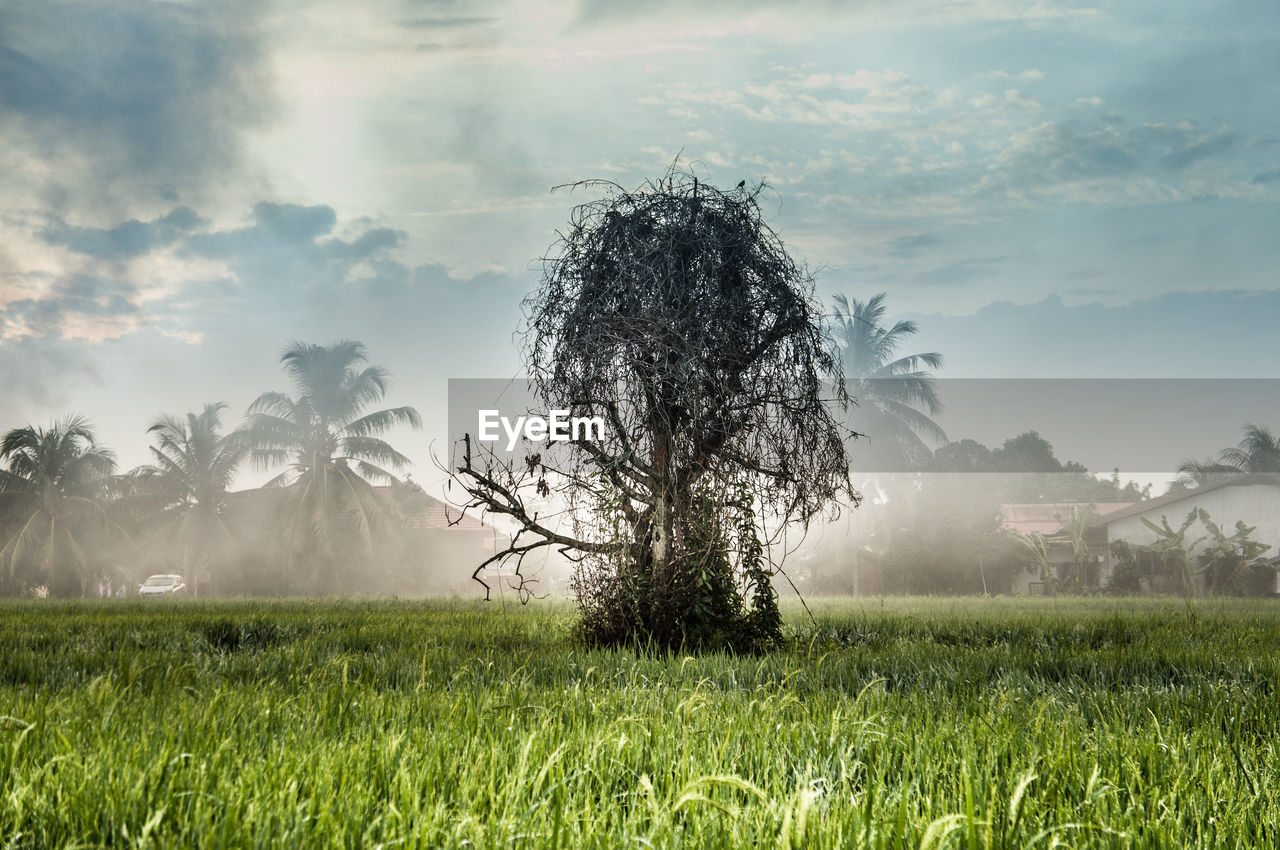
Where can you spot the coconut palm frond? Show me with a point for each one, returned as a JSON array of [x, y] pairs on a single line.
[[1259, 451], [899, 387], [383, 420], [374, 450]]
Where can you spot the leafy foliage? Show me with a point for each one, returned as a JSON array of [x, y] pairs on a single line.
[[1127, 574], [1259, 451], [332, 449], [1230, 561], [193, 465], [50, 496], [897, 395], [1174, 550], [938, 536], [1213, 563], [1026, 469]]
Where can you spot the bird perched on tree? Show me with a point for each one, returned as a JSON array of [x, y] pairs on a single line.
[[741, 183]]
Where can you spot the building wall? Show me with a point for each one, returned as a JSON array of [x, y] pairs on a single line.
[[1257, 505]]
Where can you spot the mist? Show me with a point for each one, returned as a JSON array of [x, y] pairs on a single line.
[[1083, 234]]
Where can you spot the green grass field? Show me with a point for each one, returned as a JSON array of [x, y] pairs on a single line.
[[899, 723]]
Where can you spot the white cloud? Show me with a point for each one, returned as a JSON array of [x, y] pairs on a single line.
[[1030, 75]]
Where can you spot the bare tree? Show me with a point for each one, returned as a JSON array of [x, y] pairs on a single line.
[[674, 313]]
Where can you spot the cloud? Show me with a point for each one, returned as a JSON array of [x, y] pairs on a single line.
[[599, 14], [75, 306], [1029, 75], [372, 242], [1223, 333], [287, 261], [123, 346], [454, 22], [146, 99], [958, 273], [920, 148], [41, 373], [1067, 151], [912, 246], [274, 224], [864, 99], [128, 239]]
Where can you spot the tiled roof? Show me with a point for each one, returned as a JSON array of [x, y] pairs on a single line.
[[437, 514], [1048, 517], [441, 515]]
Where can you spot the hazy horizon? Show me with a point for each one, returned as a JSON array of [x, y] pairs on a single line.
[[1049, 189]]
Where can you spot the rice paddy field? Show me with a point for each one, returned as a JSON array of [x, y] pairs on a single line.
[[972, 723]]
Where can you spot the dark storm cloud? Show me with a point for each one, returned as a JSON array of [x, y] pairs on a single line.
[[153, 96], [130, 239]]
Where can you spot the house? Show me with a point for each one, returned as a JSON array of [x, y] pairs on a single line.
[[1047, 519], [1251, 499], [443, 544]]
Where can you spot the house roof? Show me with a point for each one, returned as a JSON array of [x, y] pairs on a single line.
[[1242, 480], [433, 513], [438, 514], [1044, 517], [442, 515]]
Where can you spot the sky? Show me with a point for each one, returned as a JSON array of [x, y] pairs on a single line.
[[1049, 189]]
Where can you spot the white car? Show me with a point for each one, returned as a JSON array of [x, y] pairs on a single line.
[[166, 585]]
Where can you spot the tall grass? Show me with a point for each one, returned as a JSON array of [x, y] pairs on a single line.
[[937, 723]]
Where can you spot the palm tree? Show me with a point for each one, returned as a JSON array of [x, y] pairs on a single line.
[[1199, 473], [331, 446], [193, 465], [897, 396], [1259, 451], [51, 489]]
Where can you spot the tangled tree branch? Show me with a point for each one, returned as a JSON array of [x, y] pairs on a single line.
[[675, 314]]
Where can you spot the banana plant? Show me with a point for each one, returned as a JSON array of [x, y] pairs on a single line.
[[1227, 556], [1076, 527], [1173, 549]]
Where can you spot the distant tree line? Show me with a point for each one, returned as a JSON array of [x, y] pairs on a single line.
[[72, 524]]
